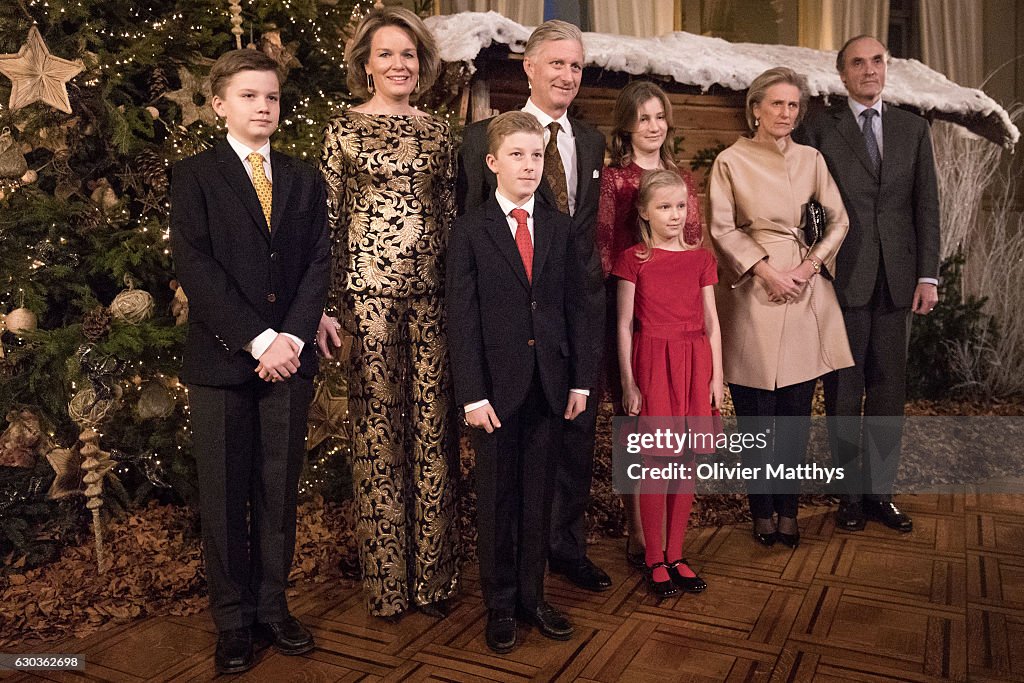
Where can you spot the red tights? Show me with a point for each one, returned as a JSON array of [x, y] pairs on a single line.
[[664, 514]]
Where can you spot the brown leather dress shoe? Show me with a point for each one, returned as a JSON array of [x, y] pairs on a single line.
[[234, 653]]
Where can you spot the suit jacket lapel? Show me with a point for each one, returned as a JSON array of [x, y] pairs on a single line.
[[583, 163], [848, 128], [497, 228], [281, 169], [234, 173], [541, 239], [892, 142]]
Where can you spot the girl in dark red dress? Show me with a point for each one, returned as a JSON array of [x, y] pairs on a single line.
[[670, 354], [640, 142]]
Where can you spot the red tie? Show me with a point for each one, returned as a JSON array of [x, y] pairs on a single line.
[[523, 241]]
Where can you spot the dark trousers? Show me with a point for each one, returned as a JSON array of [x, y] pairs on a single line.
[[756, 410], [249, 444], [514, 479], [573, 475], [869, 449]]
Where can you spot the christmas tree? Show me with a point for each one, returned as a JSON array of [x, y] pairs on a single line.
[[98, 100]]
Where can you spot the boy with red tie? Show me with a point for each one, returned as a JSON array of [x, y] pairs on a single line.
[[249, 237], [518, 322]]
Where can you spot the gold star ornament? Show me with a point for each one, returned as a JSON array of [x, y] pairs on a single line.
[[38, 76]]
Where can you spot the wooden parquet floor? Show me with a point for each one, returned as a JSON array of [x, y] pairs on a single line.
[[945, 602]]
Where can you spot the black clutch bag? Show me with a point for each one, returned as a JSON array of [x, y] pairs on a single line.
[[815, 221]]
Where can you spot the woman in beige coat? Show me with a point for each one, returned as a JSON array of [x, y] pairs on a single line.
[[781, 323]]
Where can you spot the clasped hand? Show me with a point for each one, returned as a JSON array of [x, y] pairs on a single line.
[[280, 361], [782, 286]]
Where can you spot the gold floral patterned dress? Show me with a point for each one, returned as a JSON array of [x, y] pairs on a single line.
[[390, 184]]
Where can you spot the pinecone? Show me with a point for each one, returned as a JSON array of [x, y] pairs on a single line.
[[96, 323], [153, 169], [158, 83]]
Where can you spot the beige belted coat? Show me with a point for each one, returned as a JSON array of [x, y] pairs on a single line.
[[758, 195]]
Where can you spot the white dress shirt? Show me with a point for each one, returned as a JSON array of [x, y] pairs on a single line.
[[258, 346], [507, 206], [876, 126], [566, 147]]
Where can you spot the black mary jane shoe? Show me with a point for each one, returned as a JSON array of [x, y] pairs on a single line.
[[688, 584], [635, 558], [660, 589]]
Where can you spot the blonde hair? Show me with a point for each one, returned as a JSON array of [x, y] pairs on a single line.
[[556, 29], [357, 52], [236, 61], [503, 125], [624, 120], [650, 182], [774, 76]]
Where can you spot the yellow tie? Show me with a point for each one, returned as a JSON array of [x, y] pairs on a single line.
[[262, 185]]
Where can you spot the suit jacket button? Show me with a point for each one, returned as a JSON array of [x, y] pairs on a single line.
[[533, 305], [273, 256], [271, 298], [530, 342]]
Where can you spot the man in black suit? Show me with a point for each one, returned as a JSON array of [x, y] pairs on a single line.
[[249, 237], [574, 156], [881, 158], [519, 332]]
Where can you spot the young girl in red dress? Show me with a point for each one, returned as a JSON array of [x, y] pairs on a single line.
[[640, 141], [670, 355]]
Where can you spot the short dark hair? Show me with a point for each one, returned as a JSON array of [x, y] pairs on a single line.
[[235, 61], [841, 55], [503, 125]]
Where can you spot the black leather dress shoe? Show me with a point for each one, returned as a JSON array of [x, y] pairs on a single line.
[[689, 584], [289, 636], [501, 630], [850, 516], [888, 514], [234, 651], [584, 574], [552, 623], [438, 609]]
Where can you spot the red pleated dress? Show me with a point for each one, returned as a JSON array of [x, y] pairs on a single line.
[[671, 354]]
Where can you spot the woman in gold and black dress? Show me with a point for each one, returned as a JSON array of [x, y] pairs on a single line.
[[390, 175]]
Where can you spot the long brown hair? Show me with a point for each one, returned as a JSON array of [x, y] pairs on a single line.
[[624, 117], [357, 52], [650, 182]]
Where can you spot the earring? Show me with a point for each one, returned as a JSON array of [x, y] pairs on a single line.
[[416, 88], [369, 84], [757, 122]]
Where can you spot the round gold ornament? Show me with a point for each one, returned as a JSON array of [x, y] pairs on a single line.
[[87, 410], [132, 305], [153, 111], [29, 177], [21, 320]]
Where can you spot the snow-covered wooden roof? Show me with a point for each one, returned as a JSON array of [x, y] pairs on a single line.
[[704, 62]]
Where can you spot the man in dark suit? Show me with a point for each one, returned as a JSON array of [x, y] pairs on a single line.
[[574, 156], [519, 337], [881, 158], [249, 237]]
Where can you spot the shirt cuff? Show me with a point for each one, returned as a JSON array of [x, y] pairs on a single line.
[[927, 281], [476, 404], [298, 342], [585, 392], [258, 346]]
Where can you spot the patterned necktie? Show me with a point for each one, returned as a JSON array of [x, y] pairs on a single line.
[[262, 185], [554, 172], [870, 141], [523, 241]]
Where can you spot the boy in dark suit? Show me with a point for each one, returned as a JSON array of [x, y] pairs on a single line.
[[518, 322], [249, 237]]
